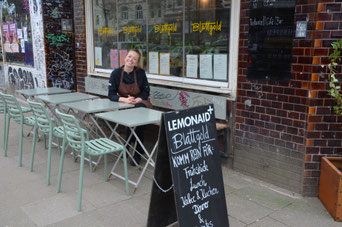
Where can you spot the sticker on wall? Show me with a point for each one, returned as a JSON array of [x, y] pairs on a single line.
[[98, 56], [114, 58], [25, 33], [22, 45], [20, 33]]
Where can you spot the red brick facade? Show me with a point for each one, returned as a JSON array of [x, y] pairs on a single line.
[[283, 129], [80, 44]]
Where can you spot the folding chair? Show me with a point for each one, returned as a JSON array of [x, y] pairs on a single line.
[[47, 126], [78, 139], [16, 112]]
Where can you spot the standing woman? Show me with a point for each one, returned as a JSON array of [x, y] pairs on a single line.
[[129, 84]]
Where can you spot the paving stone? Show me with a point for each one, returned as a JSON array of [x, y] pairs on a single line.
[[54, 209], [244, 210], [267, 198]]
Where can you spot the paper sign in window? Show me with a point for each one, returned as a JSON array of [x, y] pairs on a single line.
[[191, 66], [153, 62], [220, 66], [123, 54], [165, 64], [114, 58], [206, 66], [98, 56]]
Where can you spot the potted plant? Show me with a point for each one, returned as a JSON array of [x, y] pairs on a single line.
[[330, 183]]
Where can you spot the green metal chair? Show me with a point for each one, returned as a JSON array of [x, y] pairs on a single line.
[[16, 112], [47, 126], [3, 111], [78, 139]]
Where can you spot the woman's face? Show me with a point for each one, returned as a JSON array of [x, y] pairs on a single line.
[[132, 59]]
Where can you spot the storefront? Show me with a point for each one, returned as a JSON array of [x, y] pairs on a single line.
[[267, 58]]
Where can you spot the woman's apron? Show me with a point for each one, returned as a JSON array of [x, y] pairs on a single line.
[[131, 89]]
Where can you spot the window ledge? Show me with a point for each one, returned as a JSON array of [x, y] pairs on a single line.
[[219, 90]]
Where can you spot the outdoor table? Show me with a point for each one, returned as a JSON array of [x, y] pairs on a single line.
[[132, 118], [42, 91], [58, 99], [89, 108]]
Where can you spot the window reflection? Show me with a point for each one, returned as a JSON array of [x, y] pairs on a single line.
[[176, 27]]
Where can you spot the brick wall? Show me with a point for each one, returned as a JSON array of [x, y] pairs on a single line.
[[324, 128], [282, 129], [80, 44]]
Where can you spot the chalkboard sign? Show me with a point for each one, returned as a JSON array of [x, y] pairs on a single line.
[[194, 163], [270, 37]]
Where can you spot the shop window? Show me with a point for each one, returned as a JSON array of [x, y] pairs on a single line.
[[17, 33], [187, 41]]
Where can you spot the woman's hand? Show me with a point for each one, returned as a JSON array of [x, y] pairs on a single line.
[[137, 100], [129, 100]]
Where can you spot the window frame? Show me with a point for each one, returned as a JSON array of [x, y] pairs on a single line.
[[229, 88]]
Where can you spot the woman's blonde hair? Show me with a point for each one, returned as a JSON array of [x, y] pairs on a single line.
[[139, 64]]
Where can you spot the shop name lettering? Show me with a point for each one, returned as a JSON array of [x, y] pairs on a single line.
[[105, 31], [132, 29], [189, 121], [207, 26], [57, 40], [165, 28], [266, 21]]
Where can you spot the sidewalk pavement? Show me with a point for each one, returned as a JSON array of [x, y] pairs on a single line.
[[26, 200]]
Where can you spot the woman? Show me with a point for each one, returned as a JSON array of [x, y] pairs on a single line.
[[129, 84]]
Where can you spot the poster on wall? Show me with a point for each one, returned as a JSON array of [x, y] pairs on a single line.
[[13, 37], [6, 38], [114, 58]]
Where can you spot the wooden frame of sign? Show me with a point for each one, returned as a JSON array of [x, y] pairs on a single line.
[[188, 185]]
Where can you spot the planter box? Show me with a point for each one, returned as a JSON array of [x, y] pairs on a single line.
[[330, 186]]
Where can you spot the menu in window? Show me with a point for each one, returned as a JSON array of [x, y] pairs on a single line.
[[191, 65], [98, 56], [206, 66], [165, 64], [220, 66], [153, 62]]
